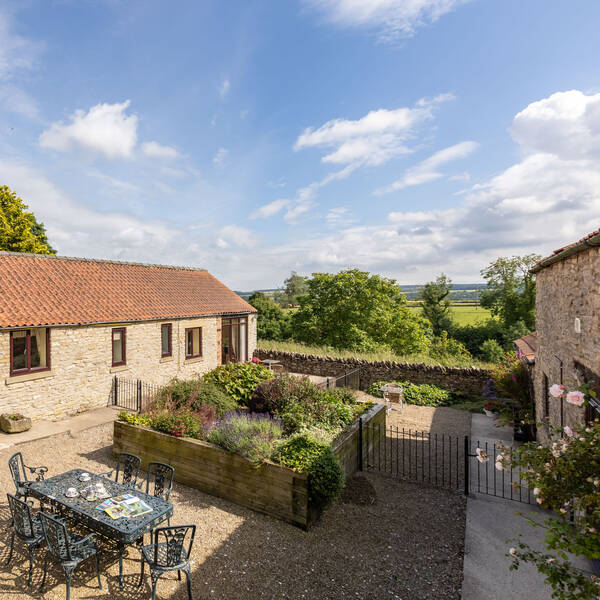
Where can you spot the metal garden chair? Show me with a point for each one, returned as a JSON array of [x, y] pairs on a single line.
[[128, 466], [18, 470], [68, 549], [169, 553], [159, 480], [27, 527]]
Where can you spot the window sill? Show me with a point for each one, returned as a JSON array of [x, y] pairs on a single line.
[[195, 359], [119, 368], [165, 359], [29, 377]]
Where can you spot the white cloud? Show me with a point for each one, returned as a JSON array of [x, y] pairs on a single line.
[[156, 150], [270, 209], [105, 129], [391, 18], [224, 88], [220, 157], [426, 170], [17, 55], [234, 235], [371, 140]]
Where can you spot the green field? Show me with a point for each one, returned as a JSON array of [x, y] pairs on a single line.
[[465, 315]]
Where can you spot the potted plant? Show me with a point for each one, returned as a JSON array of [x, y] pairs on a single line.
[[14, 423], [491, 408]]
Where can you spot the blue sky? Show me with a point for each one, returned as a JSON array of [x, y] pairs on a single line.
[[257, 137]]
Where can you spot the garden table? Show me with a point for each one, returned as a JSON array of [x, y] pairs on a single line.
[[124, 530]]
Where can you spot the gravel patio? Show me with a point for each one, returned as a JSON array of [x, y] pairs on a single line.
[[383, 539]]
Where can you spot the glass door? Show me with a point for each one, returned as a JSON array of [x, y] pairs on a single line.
[[234, 339]]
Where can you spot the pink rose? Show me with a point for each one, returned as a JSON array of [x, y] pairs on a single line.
[[576, 398], [556, 390], [568, 431]]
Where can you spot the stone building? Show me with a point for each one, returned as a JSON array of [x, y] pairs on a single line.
[[568, 334], [69, 325]]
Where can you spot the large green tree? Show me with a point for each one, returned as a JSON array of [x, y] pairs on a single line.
[[19, 230], [435, 296], [273, 321], [510, 293], [358, 311], [293, 287]]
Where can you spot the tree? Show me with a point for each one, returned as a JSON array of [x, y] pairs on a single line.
[[358, 311], [510, 294], [19, 230], [436, 303], [273, 322], [293, 287]]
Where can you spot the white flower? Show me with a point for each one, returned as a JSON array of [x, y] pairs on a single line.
[[539, 500], [482, 456], [499, 466], [536, 491], [513, 551], [568, 431], [563, 510], [597, 482], [576, 398], [556, 390], [550, 560]]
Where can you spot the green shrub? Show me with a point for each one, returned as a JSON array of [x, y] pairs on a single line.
[[177, 423], [239, 380], [306, 454], [191, 394], [491, 351], [444, 346], [251, 436], [135, 419], [423, 394]]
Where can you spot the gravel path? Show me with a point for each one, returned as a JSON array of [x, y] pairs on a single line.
[[384, 539]]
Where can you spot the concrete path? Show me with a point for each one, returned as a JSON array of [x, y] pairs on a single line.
[[43, 429], [490, 523]]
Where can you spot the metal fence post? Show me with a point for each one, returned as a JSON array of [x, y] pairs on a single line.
[[467, 474], [115, 390], [360, 444], [139, 395]]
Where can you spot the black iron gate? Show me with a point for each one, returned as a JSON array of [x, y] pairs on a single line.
[[440, 460], [132, 394]]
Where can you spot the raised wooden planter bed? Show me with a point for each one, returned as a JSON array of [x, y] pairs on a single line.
[[267, 488]]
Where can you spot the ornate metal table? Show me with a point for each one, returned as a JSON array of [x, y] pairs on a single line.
[[123, 531]]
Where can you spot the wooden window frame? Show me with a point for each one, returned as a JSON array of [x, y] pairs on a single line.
[[29, 369], [123, 330], [169, 326], [187, 330]]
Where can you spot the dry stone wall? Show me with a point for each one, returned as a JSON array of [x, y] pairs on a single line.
[[469, 380]]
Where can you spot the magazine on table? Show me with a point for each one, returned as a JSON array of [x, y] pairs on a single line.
[[125, 505]]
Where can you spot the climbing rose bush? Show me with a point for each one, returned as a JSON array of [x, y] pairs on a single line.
[[565, 478]]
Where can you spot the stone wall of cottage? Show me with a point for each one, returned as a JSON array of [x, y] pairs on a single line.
[[468, 380], [81, 365], [566, 290]]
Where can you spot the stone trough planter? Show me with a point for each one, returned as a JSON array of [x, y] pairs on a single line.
[[267, 488], [13, 423]]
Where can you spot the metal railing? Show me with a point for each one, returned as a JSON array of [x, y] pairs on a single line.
[[133, 394], [349, 379]]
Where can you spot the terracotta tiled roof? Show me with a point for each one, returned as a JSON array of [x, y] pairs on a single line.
[[565, 251], [47, 290], [527, 346]]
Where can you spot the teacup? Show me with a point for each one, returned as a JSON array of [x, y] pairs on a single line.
[[71, 491], [85, 477]]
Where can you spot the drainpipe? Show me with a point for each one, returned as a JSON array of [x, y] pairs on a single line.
[[562, 417]]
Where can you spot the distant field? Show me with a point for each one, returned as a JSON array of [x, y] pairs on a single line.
[[465, 315]]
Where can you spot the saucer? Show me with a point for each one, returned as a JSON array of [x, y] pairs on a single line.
[[72, 494]]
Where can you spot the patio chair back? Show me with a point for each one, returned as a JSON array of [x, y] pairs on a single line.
[[57, 537], [17, 469], [129, 465], [159, 481], [169, 542], [22, 518]]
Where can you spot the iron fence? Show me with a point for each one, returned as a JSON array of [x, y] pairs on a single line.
[[440, 460], [133, 394]]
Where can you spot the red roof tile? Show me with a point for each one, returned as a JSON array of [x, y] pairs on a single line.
[[577, 246], [47, 290], [527, 345]]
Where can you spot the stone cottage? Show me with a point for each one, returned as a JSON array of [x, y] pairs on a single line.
[[69, 325], [568, 334]]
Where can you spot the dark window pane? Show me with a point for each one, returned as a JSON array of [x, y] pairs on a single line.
[[165, 331], [19, 350], [117, 346]]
